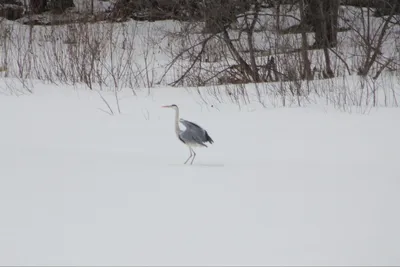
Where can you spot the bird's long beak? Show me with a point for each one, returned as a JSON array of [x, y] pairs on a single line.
[[165, 106]]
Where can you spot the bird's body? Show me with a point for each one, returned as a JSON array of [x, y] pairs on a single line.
[[192, 136]]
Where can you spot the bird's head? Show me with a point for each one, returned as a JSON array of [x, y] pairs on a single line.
[[170, 106]]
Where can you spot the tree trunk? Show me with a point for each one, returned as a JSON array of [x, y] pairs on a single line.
[[325, 22], [309, 10], [332, 22], [306, 72], [250, 31], [61, 5], [38, 6], [219, 14], [324, 32]]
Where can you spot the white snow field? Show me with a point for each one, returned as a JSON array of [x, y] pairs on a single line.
[[280, 186]]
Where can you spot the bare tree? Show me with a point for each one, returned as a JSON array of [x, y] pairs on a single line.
[[370, 35], [306, 74], [323, 17]]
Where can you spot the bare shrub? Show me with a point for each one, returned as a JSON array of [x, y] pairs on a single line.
[[369, 37]]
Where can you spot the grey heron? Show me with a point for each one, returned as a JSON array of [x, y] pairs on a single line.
[[192, 136]]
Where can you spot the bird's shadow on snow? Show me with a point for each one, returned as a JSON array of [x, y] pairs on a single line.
[[199, 164]]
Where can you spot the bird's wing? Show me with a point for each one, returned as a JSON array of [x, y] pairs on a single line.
[[189, 137], [192, 126], [197, 131]]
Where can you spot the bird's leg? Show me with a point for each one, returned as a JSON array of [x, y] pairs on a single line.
[[189, 156], [194, 155]]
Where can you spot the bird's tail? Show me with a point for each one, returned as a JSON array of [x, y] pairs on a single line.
[[209, 139]]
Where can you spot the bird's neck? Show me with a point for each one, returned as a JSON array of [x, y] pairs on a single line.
[[177, 130]]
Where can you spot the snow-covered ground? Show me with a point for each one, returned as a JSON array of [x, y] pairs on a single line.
[[280, 186]]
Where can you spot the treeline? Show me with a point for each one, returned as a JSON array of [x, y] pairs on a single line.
[[186, 9], [194, 9], [16, 9]]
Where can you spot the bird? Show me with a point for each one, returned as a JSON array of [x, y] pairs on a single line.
[[192, 136]]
